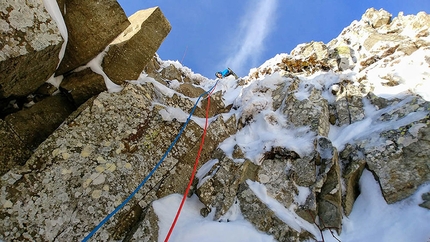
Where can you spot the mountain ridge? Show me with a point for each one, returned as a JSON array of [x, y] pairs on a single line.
[[305, 126]]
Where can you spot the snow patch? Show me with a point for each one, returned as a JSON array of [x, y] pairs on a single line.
[[370, 126], [402, 221], [191, 226], [260, 136], [96, 67]]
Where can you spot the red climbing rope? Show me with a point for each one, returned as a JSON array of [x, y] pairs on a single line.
[[194, 170]]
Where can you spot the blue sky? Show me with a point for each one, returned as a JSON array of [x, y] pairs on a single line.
[[209, 35]]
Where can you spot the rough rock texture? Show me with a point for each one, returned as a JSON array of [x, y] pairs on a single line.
[[348, 107], [426, 198], [312, 110], [329, 195], [30, 44], [265, 219], [91, 26], [133, 49], [344, 56], [402, 164], [137, 136], [375, 18], [227, 177], [77, 193]]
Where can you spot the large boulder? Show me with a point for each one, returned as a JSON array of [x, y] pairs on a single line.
[[30, 44], [131, 51], [307, 50], [91, 26]]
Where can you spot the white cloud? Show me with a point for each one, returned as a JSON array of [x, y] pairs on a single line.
[[256, 24]]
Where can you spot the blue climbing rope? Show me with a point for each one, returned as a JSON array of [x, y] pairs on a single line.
[[150, 173]]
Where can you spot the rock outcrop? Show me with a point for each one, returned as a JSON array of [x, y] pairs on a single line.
[[30, 57], [133, 49], [98, 156], [91, 26], [29, 48]]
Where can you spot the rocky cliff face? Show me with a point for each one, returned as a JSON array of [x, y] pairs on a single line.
[[103, 150]]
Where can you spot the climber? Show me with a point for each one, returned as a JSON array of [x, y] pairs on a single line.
[[225, 73]]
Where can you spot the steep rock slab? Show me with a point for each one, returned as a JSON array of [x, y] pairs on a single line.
[[30, 44], [91, 163], [131, 51], [185, 152], [81, 166], [177, 181], [91, 26]]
